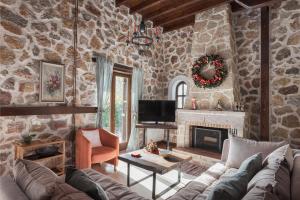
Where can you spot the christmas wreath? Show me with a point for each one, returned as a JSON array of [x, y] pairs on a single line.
[[214, 77]]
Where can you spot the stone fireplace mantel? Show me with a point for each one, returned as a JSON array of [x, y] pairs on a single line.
[[186, 119]]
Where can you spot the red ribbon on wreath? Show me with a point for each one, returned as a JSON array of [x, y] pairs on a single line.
[[219, 75]]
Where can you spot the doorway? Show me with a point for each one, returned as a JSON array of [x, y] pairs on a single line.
[[120, 123]]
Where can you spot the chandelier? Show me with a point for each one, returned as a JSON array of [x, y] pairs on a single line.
[[143, 36]]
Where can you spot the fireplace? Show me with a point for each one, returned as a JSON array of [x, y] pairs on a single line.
[[208, 138]]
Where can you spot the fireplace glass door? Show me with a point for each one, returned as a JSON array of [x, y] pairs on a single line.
[[209, 138]]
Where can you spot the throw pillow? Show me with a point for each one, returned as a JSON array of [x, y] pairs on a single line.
[[230, 188], [81, 181], [36, 181], [275, 173], [281, 153], [251, 165], [93, 137], [241, 148]]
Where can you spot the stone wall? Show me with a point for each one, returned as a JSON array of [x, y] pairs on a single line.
[[32, 31], [213, 35], [246, 29], [284, 83], [177, 46], [285, 71], [35, 30]]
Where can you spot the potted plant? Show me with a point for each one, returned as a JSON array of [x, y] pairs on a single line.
[[27, 138]]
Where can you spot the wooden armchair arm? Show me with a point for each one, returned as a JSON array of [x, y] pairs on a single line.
[[109, 139], [83, 150]]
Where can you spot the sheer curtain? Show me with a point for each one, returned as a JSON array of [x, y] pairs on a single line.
[[104, 70], [137, 91]]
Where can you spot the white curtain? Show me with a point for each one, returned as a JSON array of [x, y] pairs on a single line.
[[104, 70], [137, 92]]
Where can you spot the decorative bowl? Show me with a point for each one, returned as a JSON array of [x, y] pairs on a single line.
[[164, 153]]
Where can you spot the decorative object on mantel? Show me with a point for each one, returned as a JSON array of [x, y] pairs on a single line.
[[232, 132], [52, 78], [219, 106], [152, 147], [27, 138], [194, 103], [143, 36], [209, 71], [238, 106]]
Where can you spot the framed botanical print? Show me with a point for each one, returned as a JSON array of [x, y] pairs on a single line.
[[52, 88]]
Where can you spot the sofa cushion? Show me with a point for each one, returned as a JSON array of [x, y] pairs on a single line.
[[241, 148], [81, 181], [102, 154], [93, 137], [233, 187], [276, 173], [200, 187], [295, 185], [251, 165], [37, 181], [64, 191], [113, 189], [10, 190], [258, 193]]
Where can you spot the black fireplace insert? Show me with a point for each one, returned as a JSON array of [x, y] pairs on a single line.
[[209, 138]]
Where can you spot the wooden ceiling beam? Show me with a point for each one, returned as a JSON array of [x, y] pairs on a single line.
[[186, 11], [250, 4], [146, 4], [121, 2], [164, 7], [183, 22]]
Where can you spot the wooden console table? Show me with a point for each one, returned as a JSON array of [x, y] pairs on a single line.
[[167, 127]]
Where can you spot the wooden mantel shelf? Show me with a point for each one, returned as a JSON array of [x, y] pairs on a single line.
[[44, 110]]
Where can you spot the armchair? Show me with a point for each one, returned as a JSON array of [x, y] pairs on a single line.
[[87, 153]]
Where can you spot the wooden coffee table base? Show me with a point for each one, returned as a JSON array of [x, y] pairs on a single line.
[[154, 196]]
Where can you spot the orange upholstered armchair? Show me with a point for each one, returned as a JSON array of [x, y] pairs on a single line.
[[96, 146]]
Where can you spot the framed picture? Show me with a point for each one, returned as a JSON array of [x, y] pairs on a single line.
[[52, 78]]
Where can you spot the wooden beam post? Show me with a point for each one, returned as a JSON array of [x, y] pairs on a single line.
[[265, 74]]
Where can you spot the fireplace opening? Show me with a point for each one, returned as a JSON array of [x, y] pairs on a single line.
[[208, 138]]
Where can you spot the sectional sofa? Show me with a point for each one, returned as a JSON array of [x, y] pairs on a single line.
[[279, 177]]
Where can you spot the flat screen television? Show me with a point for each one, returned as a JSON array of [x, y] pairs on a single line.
[[156, 111]]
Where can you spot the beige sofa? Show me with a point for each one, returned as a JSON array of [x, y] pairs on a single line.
[[198, 189], [202, 185]]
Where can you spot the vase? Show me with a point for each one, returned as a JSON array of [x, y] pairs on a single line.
[[194, 104]]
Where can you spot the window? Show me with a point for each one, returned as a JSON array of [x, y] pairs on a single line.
[[181, 94]]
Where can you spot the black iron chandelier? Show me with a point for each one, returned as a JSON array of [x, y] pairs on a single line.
[[143, 36]]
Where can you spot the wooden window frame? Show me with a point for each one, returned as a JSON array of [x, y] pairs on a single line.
[[126, 72], [180, 95]]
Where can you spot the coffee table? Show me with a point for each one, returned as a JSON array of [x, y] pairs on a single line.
[[157, 165]]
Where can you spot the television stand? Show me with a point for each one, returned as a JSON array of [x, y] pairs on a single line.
[[167, 127]]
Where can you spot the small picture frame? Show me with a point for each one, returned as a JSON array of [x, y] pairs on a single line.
[[52, 79]]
